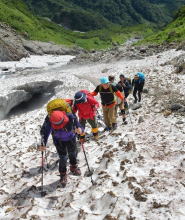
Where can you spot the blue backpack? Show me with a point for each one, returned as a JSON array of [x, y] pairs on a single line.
[[141, 76]]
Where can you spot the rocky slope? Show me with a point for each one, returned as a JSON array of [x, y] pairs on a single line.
[[14, 46]]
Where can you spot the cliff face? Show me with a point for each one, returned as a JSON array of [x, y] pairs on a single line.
[[11, 47]]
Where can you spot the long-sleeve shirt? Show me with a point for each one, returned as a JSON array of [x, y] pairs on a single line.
[[138, 84], [86, 110], [125, 86]]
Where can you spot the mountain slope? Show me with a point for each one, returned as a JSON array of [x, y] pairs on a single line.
[[86, 15], [174, 32], [16, 14]]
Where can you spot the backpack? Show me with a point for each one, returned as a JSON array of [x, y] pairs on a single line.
[[110, 89], [141, 76], [87, 93], [58, 104], [129, 81]]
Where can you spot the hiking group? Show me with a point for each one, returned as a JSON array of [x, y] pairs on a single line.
[[65, 127]]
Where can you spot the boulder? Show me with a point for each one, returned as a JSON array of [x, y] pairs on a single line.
[[175, 106]]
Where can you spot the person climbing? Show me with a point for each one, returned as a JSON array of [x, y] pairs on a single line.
[[120, 104], [62, 125], [138, 84], [107, 92], [86, 105], [112, 80], [125, 84]]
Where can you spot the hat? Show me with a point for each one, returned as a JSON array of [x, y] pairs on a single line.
[[104, 80], [80, 97], [58, 119]]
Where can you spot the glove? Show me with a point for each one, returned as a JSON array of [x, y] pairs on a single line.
[[78, 130], [82, 139]]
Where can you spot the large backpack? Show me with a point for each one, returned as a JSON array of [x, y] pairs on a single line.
[[58, 104], [141, 76], [87, 93], [110, 89]]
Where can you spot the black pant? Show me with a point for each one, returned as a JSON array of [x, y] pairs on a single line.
[[64, 148], [126, 94], [137, 92]]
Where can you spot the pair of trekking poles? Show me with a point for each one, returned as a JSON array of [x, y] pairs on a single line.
[[44, 157]]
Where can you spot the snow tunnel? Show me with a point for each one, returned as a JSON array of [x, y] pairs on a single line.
[[27, 97]]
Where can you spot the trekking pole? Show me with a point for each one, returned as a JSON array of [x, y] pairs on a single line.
[[90, 172], [46, 158], [43, 193]]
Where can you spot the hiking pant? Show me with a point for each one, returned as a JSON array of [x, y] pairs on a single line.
[[137, 92], [92, 123], [66, 149], [126, 94], [109, 116], [120, 106]]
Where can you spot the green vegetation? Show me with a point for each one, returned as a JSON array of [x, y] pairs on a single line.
[[86, 15], [174, 32], [16, 14]]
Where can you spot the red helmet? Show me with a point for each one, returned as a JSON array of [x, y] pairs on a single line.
[[58, 119]]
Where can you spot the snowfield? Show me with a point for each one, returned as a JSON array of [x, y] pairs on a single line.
[[139, 169]]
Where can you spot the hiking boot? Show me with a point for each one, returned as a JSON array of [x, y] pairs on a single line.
[[75, 170], [124, 121], [114, 126], [107, 129], [63, 179], [96, 136]]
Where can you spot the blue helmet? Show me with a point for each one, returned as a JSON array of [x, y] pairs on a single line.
[[80, 97], [104, 80]]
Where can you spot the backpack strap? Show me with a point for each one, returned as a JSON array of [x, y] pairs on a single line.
[[110, 89]]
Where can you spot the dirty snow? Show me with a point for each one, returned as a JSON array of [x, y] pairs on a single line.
[[139, 169]]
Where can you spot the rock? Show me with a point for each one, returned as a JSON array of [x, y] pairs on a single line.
[[167, 113], [139, 195], [11, 47], [181, 110], [143, 50], [130, 146], [179, 122], [140, 120], [39, 48], [105, 70], [175, 107], [136, 106]]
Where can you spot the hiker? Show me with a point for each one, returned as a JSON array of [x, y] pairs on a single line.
[[119, 102], [111, 80], [138, 84], [62, 126], [107, 92], [125, 84], [121, 105], [86, 105]]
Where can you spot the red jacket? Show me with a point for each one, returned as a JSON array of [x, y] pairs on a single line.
[[86, 110]]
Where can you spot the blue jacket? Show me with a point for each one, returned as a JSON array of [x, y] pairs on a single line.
[[65, 134]]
